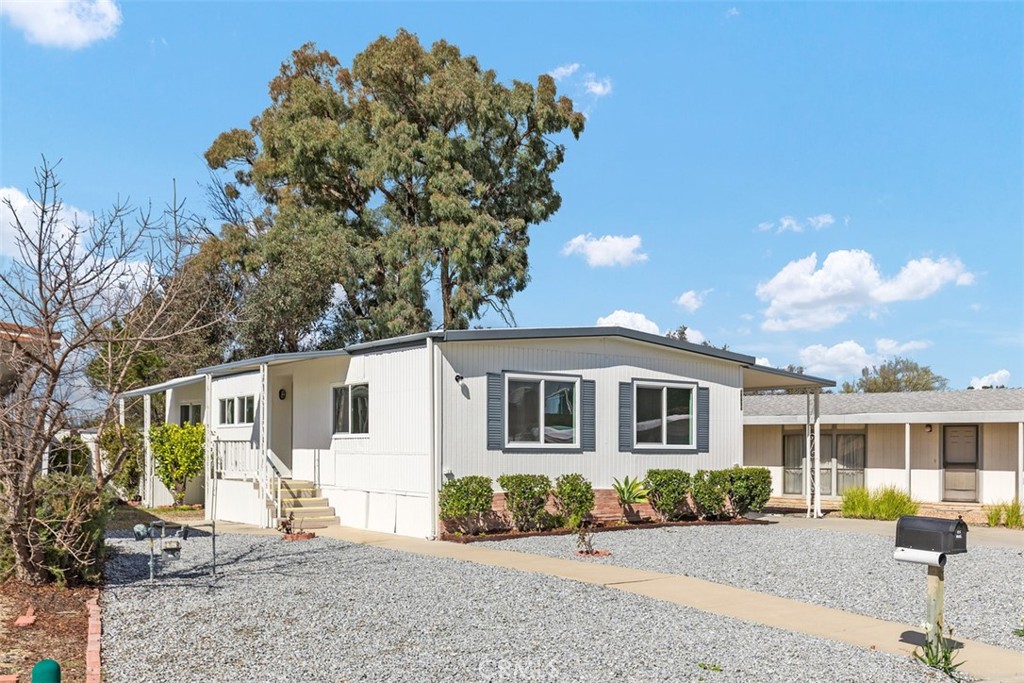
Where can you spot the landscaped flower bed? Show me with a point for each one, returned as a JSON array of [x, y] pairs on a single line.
[[597, 527]]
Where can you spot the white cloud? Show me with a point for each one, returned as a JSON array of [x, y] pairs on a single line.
[[695, 336], [607, 250], [71, 24], [27, 214], [597, 88], [761, 360], [848, 358], [692, 300], [891, 347], [802, 296], [994, 379], [842, 359], [822, 220], [732, 12], [563, 71], [793, 224], [634, 321]]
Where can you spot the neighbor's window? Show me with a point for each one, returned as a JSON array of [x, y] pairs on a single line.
[[246, 409], [351, 414], [190, 413], [227, 411], [663, 415], [541, 410]]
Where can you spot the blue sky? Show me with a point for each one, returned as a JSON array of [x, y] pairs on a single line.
[[826, 185]]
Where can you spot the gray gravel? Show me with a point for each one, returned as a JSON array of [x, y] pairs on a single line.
[[984, 588], [325, 610]]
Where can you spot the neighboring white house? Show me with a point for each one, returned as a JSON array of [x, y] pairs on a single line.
[[940, 446], [377, 427]]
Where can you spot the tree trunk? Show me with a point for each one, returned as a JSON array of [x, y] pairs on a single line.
[[446, 290], [29, 561]]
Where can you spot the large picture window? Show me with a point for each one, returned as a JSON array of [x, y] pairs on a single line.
[[351, 409], [663, 415], [541, 410]]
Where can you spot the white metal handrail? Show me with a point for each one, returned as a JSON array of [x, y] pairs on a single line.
[[241, 460]]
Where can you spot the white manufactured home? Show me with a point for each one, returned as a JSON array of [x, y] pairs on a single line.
[[374, 429], [939, 446]]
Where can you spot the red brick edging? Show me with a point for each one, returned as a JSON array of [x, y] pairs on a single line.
[[92, 649]]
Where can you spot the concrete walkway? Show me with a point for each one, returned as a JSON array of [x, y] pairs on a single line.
[[987, 662]]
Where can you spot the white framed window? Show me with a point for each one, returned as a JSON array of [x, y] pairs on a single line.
[[246, 409], [190, 413], [663, 415], [542, 411], [227, 411], [350, 413]]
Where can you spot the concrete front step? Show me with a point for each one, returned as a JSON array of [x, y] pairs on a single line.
[[290, 503], [310, 512], [308, 523]]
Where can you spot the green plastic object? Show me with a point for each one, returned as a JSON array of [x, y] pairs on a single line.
[[46, 671]]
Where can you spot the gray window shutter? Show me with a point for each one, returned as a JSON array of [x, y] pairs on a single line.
[[625, 416], [495, 411], [588, 435], [703, 420]]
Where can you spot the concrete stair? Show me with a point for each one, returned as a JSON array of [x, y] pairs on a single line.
[[303, 501]]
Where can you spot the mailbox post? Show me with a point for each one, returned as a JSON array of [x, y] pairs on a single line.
[[928, 540]]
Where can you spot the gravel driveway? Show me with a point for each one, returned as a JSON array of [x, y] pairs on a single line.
[[325, 610], [846, 570]]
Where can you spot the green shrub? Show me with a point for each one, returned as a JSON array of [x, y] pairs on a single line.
[[1014, 518], [668, 492], [179, 454], [463, 502], [891, 503], [856, 503], [112, 442], [525, 497], [574, 498], [994, 514], [749, 489], [710, 488], [69, 521]]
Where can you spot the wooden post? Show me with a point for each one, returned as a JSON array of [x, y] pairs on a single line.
[[936, 587]]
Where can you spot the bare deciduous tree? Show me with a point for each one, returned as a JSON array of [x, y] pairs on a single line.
[[104, 291]]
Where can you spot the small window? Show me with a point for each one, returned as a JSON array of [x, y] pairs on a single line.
[[190, 413], [541, 410], [351, 409], [663, 415], [227, 411], [246, 409]]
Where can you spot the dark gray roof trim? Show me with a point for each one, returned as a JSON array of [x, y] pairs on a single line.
[[786, 373], [395, 343], [272, 359]]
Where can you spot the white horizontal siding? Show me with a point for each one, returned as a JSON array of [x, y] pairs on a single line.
[[606, 361]]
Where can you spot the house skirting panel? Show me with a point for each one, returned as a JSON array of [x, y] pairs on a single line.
[[238, 501], [399, 513]]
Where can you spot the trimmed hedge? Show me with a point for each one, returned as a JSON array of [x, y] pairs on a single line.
[[668, 492], [463, 502], [525, 498], [710, 491], [574, 498], [749, 489]]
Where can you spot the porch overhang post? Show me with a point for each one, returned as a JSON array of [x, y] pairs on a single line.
[[264, 454], [817, 453], [209, 470], [434, 464], [906, 454], [1019, 491], [147, 402], [808, 484]]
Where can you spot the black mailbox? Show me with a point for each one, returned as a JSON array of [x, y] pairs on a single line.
[[947, 536]]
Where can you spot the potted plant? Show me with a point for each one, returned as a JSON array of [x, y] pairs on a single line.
[[288, 528], [630, 492]]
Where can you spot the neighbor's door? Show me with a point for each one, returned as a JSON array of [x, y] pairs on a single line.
[[960, 463]]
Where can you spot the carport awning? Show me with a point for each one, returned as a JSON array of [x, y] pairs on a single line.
[[164, 386], [759, 377]]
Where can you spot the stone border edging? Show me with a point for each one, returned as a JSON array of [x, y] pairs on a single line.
[[93, 665]]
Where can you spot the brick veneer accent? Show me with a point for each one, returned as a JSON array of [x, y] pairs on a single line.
[[93, 665], [606, 506], [9, 678]]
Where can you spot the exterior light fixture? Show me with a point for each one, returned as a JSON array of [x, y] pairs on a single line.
[[928, 428], [458, 379]]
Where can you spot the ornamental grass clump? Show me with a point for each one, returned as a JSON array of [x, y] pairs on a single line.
[[574, 499], [890, 503], [994, 515], [1014, 516], [525, 498], [464, 502], [856, 503]]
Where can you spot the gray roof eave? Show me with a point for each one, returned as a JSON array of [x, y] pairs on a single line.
[[271, 359]]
